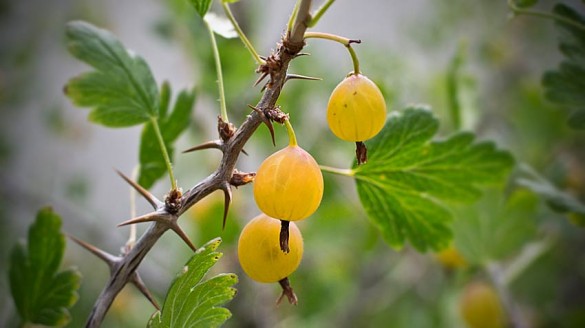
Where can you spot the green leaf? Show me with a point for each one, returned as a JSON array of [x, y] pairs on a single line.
[[121, 91], [43, 296], [566, 85], [408, 178], [192, 302], [201, 6], [495, 228], [152, 164]]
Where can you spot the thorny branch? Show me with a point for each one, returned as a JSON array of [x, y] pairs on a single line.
[[166, 214]]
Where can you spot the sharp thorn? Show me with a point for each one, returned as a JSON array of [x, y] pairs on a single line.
[[103, 255], [137, 281], [175, 227], [261, 78], [244, 152], [300, 54], [271, 128], [145, 193], [213, 144], [227, 192], [150, 217], [266, 121], [301, 77]]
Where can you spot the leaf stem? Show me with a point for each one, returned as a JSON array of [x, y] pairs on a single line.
[[241, 34], [218, 70], [319, 13], [339, 39], [165, 153], [292, 18], [292, 138], [558, 18], [453, 86], [334, 170]]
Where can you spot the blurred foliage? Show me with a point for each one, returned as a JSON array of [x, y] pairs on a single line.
[[565, 86], [43, 295]]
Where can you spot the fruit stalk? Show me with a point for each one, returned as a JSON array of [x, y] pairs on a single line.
[[284, 225], [292, 138], [339, 39]]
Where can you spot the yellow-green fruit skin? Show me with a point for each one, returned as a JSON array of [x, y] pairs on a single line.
[[481, 307], [288, 184], [356, 110], [259, 250]]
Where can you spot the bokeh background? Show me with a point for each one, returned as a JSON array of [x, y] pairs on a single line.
[[51, 155]]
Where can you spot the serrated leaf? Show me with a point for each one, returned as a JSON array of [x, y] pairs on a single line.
[[41, 294], [192, 302], [408, 179], [121, 91], [566, 85], [152, 164], [201, 6], [220, 25]]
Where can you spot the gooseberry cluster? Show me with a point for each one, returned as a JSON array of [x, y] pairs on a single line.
[[288, 185]]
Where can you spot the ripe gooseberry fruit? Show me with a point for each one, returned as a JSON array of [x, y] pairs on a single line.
[[356, 110], [260, 256], [481, 307], [450, 258], [288, 185]]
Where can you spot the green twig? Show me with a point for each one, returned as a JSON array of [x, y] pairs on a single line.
[[543, 14], [241, 34], [339, 39], [165, 153], [334, 170], [317, 15], [293, 17], [222, 105]]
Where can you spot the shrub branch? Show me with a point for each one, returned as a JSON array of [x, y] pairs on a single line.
[[165, 217]]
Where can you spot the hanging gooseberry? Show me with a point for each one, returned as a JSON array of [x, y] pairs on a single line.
[[356, 110], [289, 184], [260, 255], [481, 307]]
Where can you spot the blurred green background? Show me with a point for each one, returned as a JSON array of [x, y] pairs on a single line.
[[51, 155]]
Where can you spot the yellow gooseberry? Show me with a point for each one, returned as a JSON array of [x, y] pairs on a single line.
[[481, 307], [289, 184], [356, 110], [450, 258], [259, 251]]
